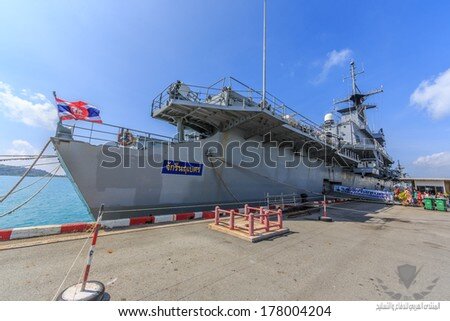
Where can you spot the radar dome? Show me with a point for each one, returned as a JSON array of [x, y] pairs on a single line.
[[328, 118]]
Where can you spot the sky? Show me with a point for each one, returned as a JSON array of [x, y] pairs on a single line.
[[119, 55]]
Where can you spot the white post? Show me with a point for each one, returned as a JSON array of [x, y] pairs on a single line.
[[92, 249]]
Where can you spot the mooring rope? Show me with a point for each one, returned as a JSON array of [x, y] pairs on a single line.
[[319, 195], [43, 164], [22, 158], [36, 181], [26, 172], [33, 196], [306, 190], [224, 184], [73, 263]]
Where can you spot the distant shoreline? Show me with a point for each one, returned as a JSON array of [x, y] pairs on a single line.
[[8, 170], [16, 175]]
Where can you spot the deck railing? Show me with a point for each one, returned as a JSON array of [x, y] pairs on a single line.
[[96, 134], [217, 94]]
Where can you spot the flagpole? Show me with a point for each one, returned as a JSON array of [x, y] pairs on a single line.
[[59, 119], [264, 58]]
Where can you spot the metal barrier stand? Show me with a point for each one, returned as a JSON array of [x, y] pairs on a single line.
[[250, 214]]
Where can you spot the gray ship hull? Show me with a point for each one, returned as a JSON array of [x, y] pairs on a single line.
[[136, 190]]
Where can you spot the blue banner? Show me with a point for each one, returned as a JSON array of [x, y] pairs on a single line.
[[181, 168], [366, 193]]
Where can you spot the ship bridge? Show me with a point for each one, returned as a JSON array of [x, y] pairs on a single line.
[[229, 104]]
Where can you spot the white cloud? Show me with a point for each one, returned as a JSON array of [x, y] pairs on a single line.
[[39, 97], [434, 160], [32, 109], [334, 58], [21, 147], [433, 95]]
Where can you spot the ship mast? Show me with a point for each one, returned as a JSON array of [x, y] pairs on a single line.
[[357, 97], [400, 169], [263, 105], [353, 75]]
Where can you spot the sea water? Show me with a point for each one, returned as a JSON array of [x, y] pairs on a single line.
[[57, 203]]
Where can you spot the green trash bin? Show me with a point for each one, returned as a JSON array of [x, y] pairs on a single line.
[[441, 204], [428, 203]]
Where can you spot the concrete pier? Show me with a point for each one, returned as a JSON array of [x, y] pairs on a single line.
[[354, 258]]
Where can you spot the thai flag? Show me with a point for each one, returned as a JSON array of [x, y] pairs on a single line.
[[78, 110]]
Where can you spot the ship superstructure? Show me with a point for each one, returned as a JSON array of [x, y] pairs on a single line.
[[235, 106], [193, 170], [355, 134]]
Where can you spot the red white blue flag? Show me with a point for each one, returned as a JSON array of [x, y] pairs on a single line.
[[78, 110]]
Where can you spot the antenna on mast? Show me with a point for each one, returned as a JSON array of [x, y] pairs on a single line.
[[353, 75], [263, 105], [357, 98]]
